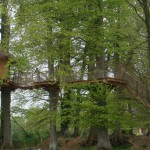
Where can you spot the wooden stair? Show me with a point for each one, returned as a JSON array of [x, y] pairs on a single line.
[[137, 88]]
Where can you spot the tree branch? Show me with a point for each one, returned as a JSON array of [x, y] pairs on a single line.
[[134, 7], [20, 126]]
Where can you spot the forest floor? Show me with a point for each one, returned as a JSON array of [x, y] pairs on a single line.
[[138, 143]]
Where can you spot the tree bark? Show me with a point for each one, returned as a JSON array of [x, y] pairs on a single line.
[[5, 118], [5, 26], [65, 122], [65, 128], [53, 96], [100, 65], [116, 66], [117, 138], [103, 139], [6, 138], [145, 6], [92, 137], [76, 131]]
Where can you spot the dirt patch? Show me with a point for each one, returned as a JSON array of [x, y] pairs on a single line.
[[63, 143], [72, 144], [44, 144], [142, 142], [138, 142]]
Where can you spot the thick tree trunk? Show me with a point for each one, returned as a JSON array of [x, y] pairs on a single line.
[[53, 96], [65, 129], [5, 26], [117, 66], [92, 137], [53, 137], [5, 118], [76, 132], [65, 122], [76, 122], [117, 138], [103, 139], [101, 67], [6, 138]]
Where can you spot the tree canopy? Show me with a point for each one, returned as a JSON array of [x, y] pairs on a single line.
[[78, 48]]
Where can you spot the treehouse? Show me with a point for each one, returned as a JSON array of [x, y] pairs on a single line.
[[3, 65]]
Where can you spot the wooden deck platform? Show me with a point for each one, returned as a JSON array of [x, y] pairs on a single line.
[[30, 81], [53, 84], [109, 81], [34, 85]]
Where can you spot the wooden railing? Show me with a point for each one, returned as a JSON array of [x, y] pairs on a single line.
[[29, 77], [137, 87]]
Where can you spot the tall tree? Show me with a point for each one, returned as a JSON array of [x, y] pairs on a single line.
[[72, 37], [6, 137], [141, 61]]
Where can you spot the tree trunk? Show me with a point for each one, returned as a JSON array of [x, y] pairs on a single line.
[[103, 139], [5, 26], [65, 122], [92, 137], [65, 128], [6, 138], [101, 67], [53, 137], [117, 65], [117, 138], [76, 132], [76, 121], [53, 96], [145, 5], [5, 118]]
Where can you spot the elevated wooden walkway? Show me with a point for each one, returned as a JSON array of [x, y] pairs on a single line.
[[47, 84], [34, 85], [34, 80]]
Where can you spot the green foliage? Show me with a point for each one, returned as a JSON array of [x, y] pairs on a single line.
[[100, 105], [68, 37], [89, 105], [31, 129]]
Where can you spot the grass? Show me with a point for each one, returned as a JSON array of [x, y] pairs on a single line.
[[123, 147]]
